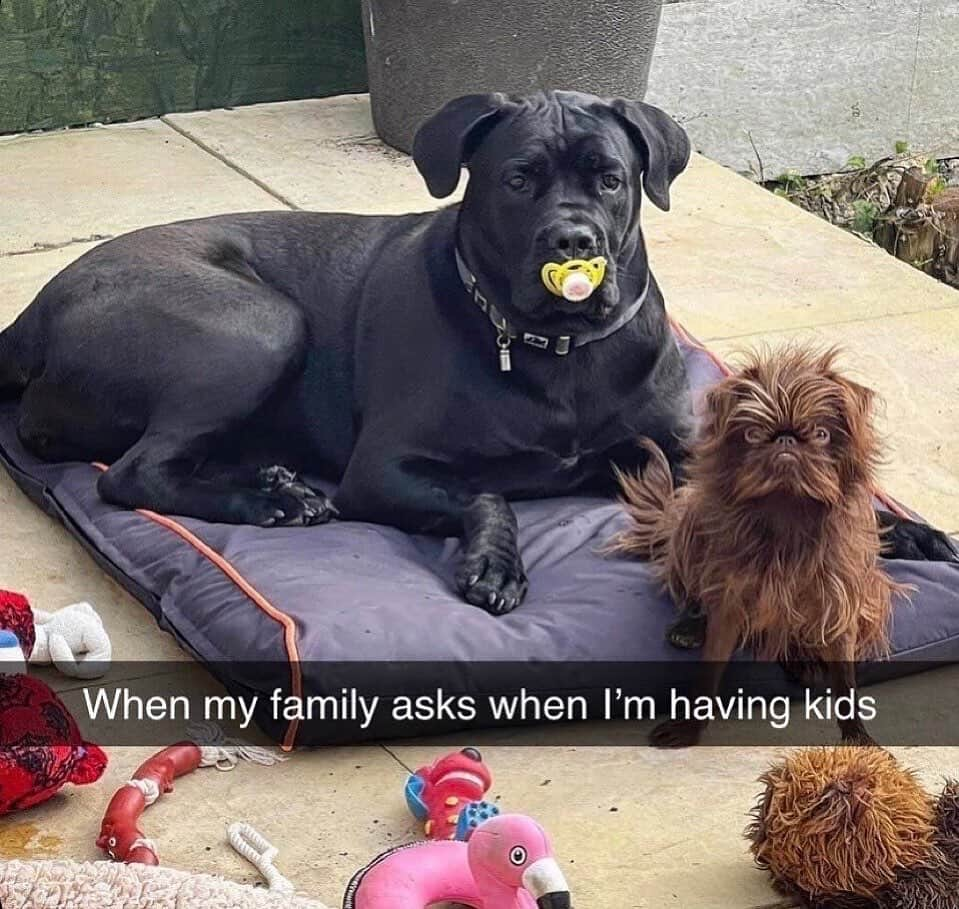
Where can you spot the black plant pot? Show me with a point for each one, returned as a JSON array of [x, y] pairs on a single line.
[[421, 53]]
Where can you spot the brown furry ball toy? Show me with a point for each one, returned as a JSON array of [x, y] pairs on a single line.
[[850, 828], [774, 533]]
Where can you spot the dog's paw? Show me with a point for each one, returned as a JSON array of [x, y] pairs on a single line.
[[912, 540], [858, 737], [303, 508], [296, 504], [492, 577], [688, 632], [677, 734]]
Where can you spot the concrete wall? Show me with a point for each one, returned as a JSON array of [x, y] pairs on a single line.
[[812, 82]]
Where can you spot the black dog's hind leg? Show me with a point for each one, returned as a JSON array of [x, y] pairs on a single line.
[[914, 541], [160, 473]]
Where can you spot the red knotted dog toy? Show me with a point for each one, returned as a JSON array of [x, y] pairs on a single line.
[[41, 748], [120, 834]]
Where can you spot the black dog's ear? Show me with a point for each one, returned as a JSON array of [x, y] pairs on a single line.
[[441, 144], [662, 142]]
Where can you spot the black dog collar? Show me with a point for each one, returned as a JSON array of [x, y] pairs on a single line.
[[559, 344]]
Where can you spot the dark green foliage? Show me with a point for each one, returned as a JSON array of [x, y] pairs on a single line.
[[68, 62]]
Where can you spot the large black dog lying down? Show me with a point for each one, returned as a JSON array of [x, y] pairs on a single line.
[[209, 360]]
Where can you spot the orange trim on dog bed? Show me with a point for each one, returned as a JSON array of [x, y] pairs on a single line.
[[289, 625]]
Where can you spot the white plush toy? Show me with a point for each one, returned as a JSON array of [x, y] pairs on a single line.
[[74, 640]]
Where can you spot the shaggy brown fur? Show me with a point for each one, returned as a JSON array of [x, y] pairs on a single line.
[[849, 828], [774, 533]]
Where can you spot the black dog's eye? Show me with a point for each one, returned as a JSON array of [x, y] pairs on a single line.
[[517, 182], [612, 181]]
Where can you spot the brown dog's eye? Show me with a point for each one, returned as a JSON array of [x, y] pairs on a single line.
[[517, 182], [611, 181], [820, 434], [754, 435]]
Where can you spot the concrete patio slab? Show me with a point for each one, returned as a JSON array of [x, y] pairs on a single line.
[[22, 276], [318, 154], [733, 259], [83, 184], [910, 360]]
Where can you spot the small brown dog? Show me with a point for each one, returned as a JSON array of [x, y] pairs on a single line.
[[774, 533]]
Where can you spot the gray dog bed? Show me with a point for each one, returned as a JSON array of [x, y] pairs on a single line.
[[308, 610]]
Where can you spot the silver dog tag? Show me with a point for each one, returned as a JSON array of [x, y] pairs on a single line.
[[503, 341]]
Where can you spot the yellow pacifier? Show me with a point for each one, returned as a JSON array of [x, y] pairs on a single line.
[[574, 280]]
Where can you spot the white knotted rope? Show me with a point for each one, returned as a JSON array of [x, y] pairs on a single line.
[[260, 853]]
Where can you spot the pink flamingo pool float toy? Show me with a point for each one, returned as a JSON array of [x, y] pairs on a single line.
[[507, 863]]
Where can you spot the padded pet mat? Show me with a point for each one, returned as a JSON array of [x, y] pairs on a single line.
[[277, 608]]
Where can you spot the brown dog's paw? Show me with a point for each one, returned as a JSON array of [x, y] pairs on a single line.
[[858, 737], [677, 734]]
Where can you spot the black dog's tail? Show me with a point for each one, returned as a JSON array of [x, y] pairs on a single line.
[[17, 355]]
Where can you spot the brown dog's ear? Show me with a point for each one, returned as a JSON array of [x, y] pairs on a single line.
[[860, 402], [718, 404], [661, 141], [440, 147], [863, 452]]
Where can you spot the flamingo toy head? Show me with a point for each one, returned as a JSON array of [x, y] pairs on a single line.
[[512, 853]]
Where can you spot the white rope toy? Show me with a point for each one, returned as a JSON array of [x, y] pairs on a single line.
[[74, 640], [216, 750], [260, 853]]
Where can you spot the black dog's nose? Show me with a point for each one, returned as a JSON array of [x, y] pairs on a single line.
[[786, 438], [575, 241]]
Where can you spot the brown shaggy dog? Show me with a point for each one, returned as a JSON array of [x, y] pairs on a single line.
[[849, 828], [774, 533]]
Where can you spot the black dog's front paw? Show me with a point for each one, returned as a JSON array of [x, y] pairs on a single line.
[[492, 577], [911, 540]]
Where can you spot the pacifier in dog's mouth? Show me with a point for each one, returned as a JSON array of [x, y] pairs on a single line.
[[574, 280]]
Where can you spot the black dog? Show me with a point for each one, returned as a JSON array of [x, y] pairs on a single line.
[[198, 357]]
